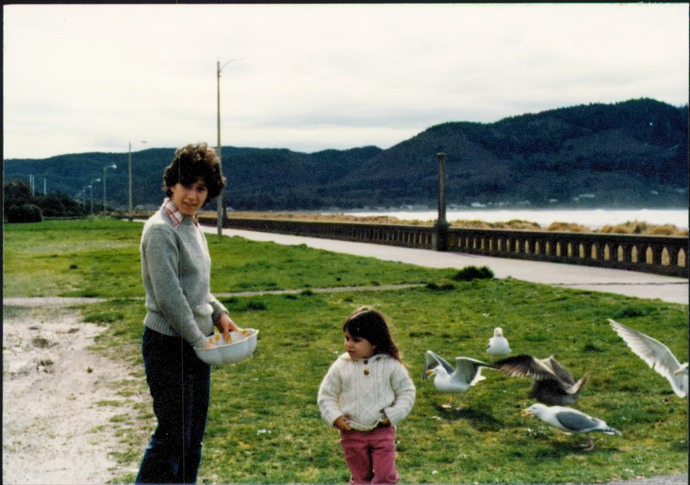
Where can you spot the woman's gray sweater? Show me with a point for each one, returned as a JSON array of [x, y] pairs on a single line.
[[176, 269]]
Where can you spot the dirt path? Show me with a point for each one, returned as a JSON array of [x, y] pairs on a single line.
[[58, 398]]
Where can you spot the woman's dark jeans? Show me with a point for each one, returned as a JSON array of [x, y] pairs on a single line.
[[180, 386]]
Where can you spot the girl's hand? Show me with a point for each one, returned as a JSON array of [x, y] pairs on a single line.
[[342, 423], [225, 325]]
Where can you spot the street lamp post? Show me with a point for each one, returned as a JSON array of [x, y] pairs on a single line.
[[219, 68], [91, 188], [130, 179], [441, 223], [105, 204]]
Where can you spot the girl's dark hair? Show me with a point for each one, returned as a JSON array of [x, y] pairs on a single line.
[[365, 322], [191, 162]]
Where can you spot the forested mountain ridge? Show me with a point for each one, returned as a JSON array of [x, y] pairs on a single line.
[[628, 154]]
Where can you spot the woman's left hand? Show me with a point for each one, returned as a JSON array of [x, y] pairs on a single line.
[[225, 325]]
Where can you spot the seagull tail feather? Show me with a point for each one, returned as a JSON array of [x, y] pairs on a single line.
[[612, 431]]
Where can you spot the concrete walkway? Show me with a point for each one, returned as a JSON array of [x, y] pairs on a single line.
[[630, 283]]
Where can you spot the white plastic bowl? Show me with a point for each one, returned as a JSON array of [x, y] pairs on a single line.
[[241, 347]]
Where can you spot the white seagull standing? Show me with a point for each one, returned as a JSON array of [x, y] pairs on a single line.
[[657, 356], [571, 421], [467, 373], [498, 344]]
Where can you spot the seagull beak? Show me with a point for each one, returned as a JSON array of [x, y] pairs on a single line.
[[526, 412]]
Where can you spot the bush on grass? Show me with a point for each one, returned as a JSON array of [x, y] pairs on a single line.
[[24, 213], [470, 273]]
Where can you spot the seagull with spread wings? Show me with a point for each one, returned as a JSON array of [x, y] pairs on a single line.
[[467, 373], [552, 383], [656, 355]]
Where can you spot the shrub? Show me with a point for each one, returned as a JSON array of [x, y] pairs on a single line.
[[24, 213], [443, 287], [665, 230], [59, 205], [567, 227], [470, 273]]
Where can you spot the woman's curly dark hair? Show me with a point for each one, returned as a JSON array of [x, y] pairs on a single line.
[[191, 162]]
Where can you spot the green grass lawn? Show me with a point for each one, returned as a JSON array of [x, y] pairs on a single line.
[[100, 258], [264, 425]]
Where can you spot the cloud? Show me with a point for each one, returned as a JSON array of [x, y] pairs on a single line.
[[314, 76]]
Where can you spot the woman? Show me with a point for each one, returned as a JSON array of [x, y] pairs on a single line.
[[180, 315]]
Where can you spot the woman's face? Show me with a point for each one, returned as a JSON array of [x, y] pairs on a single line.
[[189, 198], [358, 347]]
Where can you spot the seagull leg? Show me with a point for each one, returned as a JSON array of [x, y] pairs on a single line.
[[590, 444], [459, 407], [450, 403]]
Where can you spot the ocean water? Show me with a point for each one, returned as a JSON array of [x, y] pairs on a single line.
[[594, 218]]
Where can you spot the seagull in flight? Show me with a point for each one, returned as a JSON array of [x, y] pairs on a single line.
[[467, 373], [656, 355], [552, 383], [498, 344], [571, 421]]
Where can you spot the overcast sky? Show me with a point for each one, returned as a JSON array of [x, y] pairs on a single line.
[[84, 78]]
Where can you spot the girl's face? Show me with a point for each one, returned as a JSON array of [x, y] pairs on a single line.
[[189, 198], [358, 347]]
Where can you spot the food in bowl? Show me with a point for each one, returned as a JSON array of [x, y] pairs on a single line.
[[240, 346]]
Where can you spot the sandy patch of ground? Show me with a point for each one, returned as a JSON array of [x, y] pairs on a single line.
[[58, 398]]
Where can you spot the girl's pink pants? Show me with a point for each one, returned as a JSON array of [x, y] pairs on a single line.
[[370, 455]]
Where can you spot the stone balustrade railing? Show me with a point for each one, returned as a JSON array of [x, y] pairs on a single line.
[[666, 255]]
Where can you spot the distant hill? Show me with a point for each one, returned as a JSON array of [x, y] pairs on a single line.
[[628, 154]]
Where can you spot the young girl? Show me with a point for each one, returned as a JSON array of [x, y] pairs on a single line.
[[366, 392]]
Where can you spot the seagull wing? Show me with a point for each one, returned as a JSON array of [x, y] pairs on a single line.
[[575, 421], [559, 371], [578, 422], [433, 360], [468, 371], [525, 366], [656, 355]]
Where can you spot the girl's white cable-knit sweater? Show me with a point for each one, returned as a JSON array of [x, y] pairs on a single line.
[[366, 389]]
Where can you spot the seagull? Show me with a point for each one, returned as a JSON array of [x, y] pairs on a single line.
[[571, 421], [467, 373], [498, 344], [657, 356], [552, 383]]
